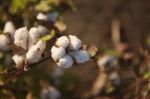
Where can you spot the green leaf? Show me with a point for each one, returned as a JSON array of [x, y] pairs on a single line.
[[20, 4], [147, 75], [48, 36], [43, 6]]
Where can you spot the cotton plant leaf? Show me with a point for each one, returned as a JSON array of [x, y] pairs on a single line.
[[43, 6], [147, 75], [48, 36]]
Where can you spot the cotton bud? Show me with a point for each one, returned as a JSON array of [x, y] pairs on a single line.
[[18, 60], [42, 17], [57, 52], [62, 41], [50, 93], [9, 28], [107, 63], [80, 56], [75, 43], [4, 42], [20, 37], [115, 78], [53, 16], [65, 62], [34, 53]]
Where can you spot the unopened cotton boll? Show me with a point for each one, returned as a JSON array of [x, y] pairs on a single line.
[[34, 53], [20, 37], [4, 42], [107, 63], [18, 59], [57, 52], [75, 42], [42, 17], [9, 28], [65, 62], [62, 41], [80, 56]]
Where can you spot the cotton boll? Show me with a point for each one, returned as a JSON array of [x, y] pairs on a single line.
[[20, 37], [33, 36], [107, 63], [57, 52], [18, 60], [41, 45], [42, 30], [4, 42], [42, 17], [53, 16], [9, 28], [75, 43], [80, 56], [34, 53], [65, 62], [62, 41], [50, 93], [115, 78]]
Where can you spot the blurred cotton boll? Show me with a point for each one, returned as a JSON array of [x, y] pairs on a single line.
[[9, 28], [42, 17], [20, 37], [80, 56], [107, 63], [65, 62], [18, 59], [115, 78], [53, 16], [50, 92], [75, 42], [34, 54], [57, 52], [4, 42], [62, 42], [42, 30]]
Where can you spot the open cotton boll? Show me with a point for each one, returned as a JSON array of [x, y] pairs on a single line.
[[53, 16], [57, 52], [50, 92], [20, 37], [34, 53], [115, 78], [107, 63], [4, 42], [18, 59], [42, 30], [65, 62], [42, 17], [75, 42], [9, 28], [62, 41], [80, 56]]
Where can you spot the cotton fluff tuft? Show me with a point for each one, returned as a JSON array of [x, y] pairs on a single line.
[[57, 52], [20, 37], [42, 30], [80, 56], [4, 42], [65, 62], [18, 59], [42, 17], [62, 41], [9, 28], [75, 42], [34, 53]]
